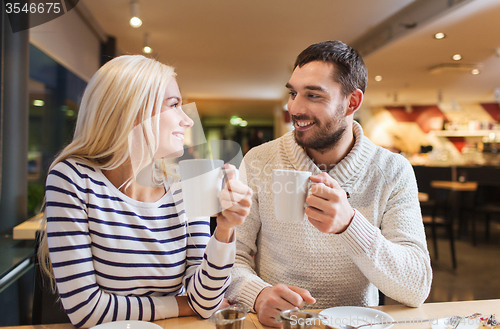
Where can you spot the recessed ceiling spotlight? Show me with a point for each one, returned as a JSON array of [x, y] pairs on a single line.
[[147, 48], [378, 78], [135, 21], [457, 57], [475, 71], [439, 35]]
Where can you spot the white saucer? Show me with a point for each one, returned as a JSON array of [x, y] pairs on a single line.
[[128, 324], [356, 316]]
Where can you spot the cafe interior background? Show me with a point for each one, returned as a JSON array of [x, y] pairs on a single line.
[[432, 97]]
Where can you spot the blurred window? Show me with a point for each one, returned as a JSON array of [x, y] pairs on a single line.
[[54, 97]]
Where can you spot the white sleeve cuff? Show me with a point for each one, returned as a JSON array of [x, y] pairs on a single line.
[[359, 235], [166, 307]]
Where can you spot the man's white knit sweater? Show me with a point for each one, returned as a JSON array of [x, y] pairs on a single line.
[[384, 247]]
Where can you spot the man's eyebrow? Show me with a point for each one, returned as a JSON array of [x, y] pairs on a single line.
[[317, 88]]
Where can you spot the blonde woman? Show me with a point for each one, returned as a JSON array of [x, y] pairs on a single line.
[[120, 250]]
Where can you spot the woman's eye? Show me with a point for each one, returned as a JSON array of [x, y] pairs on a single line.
[[174, 105]]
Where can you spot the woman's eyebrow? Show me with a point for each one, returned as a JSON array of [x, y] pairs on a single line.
[[174, 97]]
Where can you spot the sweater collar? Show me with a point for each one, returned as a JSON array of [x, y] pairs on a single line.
[[346, 170]]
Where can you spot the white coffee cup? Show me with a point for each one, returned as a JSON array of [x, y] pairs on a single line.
[[290, 189], [202, 181]]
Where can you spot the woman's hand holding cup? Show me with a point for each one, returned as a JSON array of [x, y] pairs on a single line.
[[235, 199]]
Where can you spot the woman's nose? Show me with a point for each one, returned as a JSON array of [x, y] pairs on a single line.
[[186, 121]]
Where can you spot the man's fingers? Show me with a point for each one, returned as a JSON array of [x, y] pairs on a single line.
[[291, 297], [325, 179], [305, 294], [319, 200]]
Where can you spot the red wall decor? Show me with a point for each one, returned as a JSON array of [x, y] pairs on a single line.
[[422, 115], [459, 142], [493, 109]]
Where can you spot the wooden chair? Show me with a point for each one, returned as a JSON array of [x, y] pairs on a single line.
[[486, 205], [47, 307], [436, 213]]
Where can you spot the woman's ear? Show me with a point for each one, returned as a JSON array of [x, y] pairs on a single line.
[[355, 100]]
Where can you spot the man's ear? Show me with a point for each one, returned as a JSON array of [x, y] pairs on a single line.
[[355, 100]]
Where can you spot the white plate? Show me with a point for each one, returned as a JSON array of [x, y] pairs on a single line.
[[128, 324], [465, 324], [356, 316]]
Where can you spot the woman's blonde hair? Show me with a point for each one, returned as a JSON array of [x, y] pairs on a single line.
[[125, 91]]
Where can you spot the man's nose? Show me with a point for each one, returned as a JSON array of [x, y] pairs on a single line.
[[296, 106]]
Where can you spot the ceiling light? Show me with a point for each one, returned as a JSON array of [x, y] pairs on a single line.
[[135, 21], [439, 35], [378, 78], [475, 71], [235, 120], [38, 102], [147, 48], [457, 57], [243, 123]]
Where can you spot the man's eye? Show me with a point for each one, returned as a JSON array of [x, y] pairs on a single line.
[[312, 96], [292, 94]]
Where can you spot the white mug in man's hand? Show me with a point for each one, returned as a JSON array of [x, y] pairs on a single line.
[[290, 189], [202, 181]]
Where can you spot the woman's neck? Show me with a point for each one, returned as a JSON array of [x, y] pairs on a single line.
[[123, 176]]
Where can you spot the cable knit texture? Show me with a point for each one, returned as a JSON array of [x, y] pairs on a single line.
[[384, 247]]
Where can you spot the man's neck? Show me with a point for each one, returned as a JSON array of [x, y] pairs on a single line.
[[325, 161]]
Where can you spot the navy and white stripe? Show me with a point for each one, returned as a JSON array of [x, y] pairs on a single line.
[[116, 258]]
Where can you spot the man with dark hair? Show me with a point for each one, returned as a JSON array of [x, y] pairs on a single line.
[[363, 230]]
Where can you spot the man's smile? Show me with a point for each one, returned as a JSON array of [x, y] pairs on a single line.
[[302, 125]]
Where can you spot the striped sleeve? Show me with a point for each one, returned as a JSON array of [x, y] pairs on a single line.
[[209, 264], [70, 248]]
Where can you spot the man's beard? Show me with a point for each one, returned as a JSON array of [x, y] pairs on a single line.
[[329, 133]]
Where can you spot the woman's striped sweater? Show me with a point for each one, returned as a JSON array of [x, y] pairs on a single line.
[[116, 258]]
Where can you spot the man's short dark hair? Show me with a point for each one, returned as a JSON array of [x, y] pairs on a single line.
[[350, 69]]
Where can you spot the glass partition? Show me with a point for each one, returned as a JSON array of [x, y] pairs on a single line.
[[54, 96]]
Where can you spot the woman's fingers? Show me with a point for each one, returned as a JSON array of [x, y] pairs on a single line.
[[234, 193], [236, 205]]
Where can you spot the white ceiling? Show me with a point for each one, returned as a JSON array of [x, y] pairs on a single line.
[[472, 30], [241, 49]]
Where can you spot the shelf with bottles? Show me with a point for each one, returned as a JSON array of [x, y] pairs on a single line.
[[466, 133]]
